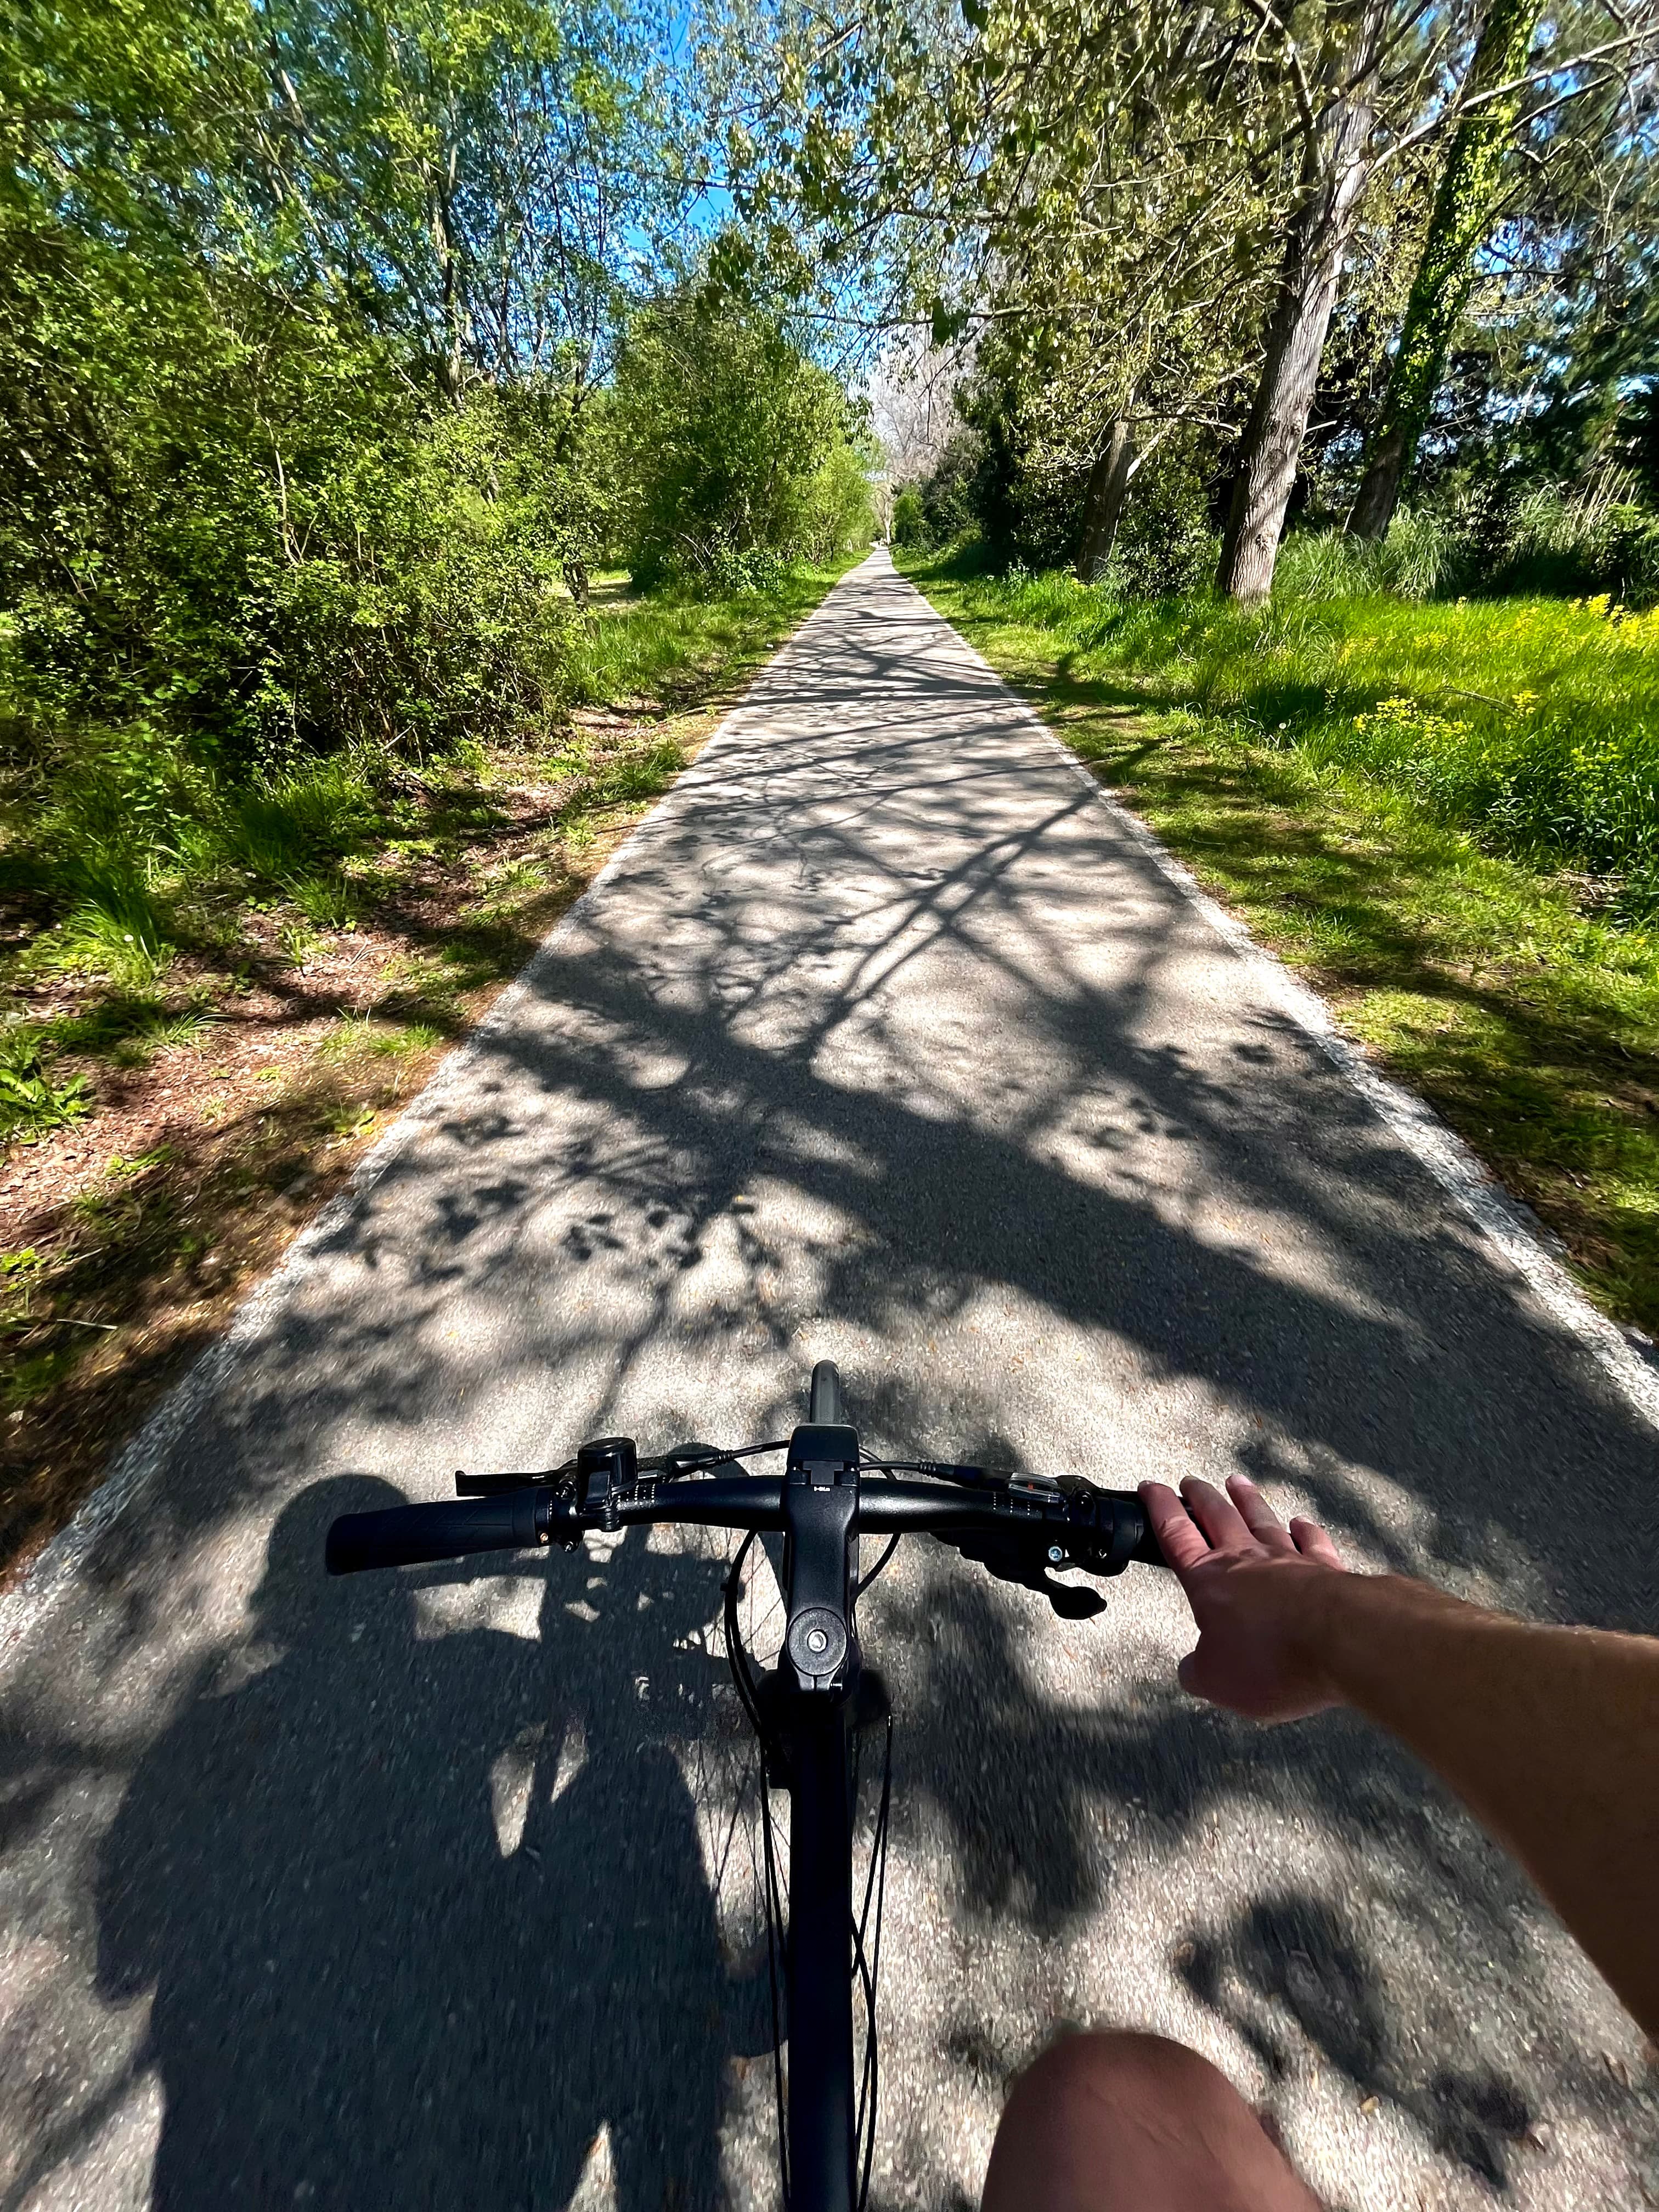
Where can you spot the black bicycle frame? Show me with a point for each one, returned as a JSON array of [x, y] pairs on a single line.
[[810, 1716], [819, 1970]]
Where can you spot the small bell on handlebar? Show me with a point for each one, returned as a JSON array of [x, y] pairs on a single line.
[[605, 1467]]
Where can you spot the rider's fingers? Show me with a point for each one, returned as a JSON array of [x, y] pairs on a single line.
[[1216, 1515], [1181, 1544], [1313, 1543], [1259, 1517]]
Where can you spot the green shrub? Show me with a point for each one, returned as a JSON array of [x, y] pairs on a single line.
[[948, 498], [734, 448], [433, 611], [909, 523], [727, 570], [31, 1102], [1165, 544]]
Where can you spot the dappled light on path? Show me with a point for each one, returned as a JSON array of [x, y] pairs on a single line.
[[879, 1042]]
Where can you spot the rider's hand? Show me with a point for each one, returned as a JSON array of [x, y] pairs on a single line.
[[1257, 1591]]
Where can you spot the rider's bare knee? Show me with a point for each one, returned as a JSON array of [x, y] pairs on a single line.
[[1109, 2064], [1102, 2122]]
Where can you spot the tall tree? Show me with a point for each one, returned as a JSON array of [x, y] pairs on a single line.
[[1465, 205], [1396, 84], [1146, 207], [1338, 100], [1103, 500]]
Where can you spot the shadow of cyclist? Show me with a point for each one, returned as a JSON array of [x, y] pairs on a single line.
[[305, 1869], [640, 2011], [359, 2001]]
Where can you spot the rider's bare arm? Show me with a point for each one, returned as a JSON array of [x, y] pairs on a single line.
[[1550, 1735]]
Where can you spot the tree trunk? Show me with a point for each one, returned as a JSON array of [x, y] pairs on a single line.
[[1338, 167], [1103, 504], [1462, 213]]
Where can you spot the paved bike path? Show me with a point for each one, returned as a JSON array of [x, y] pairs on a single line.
[[885, 1040]]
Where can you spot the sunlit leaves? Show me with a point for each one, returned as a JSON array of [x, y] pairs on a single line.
[[732, 447], [294, 296]]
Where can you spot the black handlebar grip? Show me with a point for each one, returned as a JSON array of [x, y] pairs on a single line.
[[405, 1536], [1133, 1540], [1148, 1552]]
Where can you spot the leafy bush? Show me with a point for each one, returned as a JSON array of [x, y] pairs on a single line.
[[1025, 515], [1027, 507], [909, 523], [1166, 543], [432, 612], [948, 497], [730, 446], [31, 1102], [727, 570]]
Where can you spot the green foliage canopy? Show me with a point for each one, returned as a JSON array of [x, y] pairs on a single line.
[[736, 450], [308, 314]]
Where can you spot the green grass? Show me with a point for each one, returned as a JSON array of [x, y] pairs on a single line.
[[1532, 723], [1460, 939], [665, 646]]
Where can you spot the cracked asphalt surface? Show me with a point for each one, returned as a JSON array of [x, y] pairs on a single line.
[[883, 1040]]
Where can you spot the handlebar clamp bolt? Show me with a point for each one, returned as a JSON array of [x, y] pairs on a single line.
[[816, 1643]]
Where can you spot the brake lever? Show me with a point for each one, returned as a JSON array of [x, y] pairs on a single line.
[[683, 1460], [491, 1486], [690, 1459], [1009, 1559]]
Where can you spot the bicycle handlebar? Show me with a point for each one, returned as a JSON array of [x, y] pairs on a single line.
[[1109, 1533], [410, 1535], [810, 1707]]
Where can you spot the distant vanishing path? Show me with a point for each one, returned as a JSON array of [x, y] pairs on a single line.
[[883, 1040]]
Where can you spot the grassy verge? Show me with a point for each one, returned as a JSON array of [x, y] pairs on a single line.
[[212, 998], [1515, 986]]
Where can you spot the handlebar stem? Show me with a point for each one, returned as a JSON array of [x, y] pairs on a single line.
[[821, 1520]]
